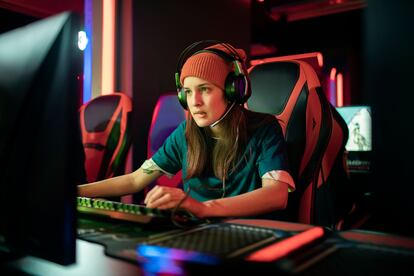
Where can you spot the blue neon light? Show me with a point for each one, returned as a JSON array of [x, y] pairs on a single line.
[[87, 54], [151, 251]]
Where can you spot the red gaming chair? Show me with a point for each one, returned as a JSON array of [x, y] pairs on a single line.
[[167, 115], [315, 134], [106, 137]]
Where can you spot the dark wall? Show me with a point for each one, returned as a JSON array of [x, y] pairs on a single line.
[[42, 8], [162, 29], [338, 36], [11, 20], [389, 88], [340, 39]]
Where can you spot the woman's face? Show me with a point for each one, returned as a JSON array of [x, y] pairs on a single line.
[[205, 101]]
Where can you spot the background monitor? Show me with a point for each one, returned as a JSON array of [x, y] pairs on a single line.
[[40, 143], [359, 144]]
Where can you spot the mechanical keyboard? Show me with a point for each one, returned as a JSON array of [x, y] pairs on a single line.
[[134, 212]]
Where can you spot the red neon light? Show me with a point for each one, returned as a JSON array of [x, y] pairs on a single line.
[[319, 57], [339, 90], [280, 249], [333, 73]]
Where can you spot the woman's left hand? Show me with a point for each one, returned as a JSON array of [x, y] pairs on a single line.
[[167, 197]]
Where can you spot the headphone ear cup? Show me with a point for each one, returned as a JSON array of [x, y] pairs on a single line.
[[235, 87], [182, 98]]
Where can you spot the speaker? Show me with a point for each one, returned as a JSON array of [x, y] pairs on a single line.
[[237, 84]]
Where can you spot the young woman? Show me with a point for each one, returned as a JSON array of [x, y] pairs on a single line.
[[233, 160]]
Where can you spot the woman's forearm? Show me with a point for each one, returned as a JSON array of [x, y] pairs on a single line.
[[119, 185], [260, 201], [115, 186]]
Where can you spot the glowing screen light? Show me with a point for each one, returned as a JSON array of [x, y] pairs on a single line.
[[82, 40]]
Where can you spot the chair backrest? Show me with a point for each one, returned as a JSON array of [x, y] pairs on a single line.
[[167, 115], [106, 136], [315, 135]]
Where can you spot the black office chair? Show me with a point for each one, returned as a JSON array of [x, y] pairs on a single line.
[[106, 136], [315, 135]]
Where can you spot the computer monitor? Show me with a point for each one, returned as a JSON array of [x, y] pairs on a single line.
[[359, 144], [40, 141]]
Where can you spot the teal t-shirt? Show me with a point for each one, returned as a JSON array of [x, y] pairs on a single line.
[[265, 151]]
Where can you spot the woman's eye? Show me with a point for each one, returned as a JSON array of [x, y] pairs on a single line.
[[187, 91], [204, 89]]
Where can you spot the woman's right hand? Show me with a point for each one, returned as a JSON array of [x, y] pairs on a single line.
[[168, 197]]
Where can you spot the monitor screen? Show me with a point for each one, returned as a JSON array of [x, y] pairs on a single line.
[[359, 144], [40, 143]]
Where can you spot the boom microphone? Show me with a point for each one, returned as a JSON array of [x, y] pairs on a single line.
[[222, 117]]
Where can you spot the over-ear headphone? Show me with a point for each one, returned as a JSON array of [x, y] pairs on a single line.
[[237, 84]]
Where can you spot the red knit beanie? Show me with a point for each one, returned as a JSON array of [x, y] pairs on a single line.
[[209, 66]]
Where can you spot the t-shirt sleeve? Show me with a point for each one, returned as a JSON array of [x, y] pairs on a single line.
[[170, 155], [273, 150], [283, 176]]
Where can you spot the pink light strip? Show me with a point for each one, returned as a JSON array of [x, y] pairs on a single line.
[[281, 249], [339, 90], [108, 46]]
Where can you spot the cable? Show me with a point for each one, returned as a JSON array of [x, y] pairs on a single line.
[[174, 211]]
